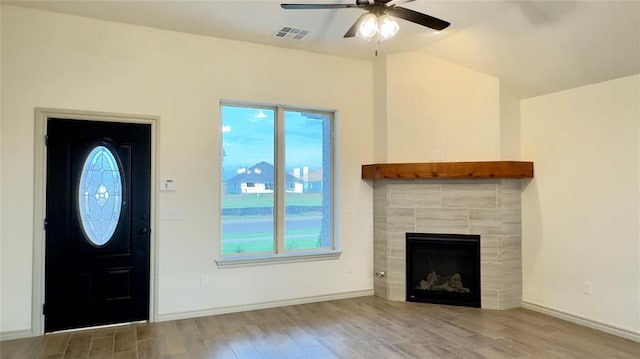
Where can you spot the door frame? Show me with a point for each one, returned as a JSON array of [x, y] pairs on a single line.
[[39, 204]]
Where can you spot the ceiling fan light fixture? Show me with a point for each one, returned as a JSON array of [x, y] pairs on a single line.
[[368, 27], [388, 27]]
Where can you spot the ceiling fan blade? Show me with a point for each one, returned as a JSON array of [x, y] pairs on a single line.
[[318, 6], [398, 2], [418, 18], [352, 30]]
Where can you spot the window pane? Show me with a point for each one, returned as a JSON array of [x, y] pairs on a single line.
[[248, 177], [308, 173], [100, 196]]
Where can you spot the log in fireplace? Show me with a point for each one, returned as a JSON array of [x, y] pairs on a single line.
[[443, 268]]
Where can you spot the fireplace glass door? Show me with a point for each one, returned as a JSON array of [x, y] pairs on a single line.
[[443, 268]]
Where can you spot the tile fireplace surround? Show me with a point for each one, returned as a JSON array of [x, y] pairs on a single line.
[[442, 200]]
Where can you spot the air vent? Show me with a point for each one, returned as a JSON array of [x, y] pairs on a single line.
[[288, 32]]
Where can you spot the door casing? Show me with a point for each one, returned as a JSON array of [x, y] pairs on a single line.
[[39, 191]]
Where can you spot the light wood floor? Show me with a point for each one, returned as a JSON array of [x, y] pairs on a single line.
[[367, 327]]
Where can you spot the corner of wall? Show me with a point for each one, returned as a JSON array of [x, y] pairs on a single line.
[[380, 109], [638, 200], [2, 270], [440, 111], [509, 124]]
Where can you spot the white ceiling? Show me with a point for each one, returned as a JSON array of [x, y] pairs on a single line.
[[535, 47]]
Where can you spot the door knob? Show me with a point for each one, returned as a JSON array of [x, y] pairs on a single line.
[[144, 230]]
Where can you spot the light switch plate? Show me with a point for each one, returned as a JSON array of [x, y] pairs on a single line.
[[171, 214], [168, 184]]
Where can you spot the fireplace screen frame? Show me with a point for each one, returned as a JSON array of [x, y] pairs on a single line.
[[468, 242]]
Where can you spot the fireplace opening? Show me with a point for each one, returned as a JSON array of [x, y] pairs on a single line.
[[443, 268]]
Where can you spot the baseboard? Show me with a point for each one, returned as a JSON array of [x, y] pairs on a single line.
[[263, 305], [15, 334], [593, 324]]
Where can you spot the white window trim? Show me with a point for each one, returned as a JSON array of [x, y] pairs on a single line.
[[266, 259], [281, 255]]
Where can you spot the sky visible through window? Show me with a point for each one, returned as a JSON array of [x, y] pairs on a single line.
[[248, 138]]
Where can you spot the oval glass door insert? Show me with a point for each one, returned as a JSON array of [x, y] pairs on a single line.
[[100, 196]]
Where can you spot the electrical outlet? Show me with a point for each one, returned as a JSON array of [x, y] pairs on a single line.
[[587, 287], [436, 156], [204, 280]]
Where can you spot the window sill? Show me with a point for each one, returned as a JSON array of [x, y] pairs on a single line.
[[249, 261]]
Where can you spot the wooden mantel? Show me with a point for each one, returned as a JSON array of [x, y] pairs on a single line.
[[492, 169]]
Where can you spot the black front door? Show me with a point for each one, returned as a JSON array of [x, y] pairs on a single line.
[[97, 226]]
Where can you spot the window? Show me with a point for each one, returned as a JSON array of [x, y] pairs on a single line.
[[100, 195], [277, 188]]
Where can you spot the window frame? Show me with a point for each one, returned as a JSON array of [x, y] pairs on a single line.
[[280, 253]]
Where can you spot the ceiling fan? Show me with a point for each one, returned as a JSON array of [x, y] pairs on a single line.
[[379, 18]]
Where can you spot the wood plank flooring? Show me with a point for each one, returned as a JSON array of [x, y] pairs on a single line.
[[366, 327]]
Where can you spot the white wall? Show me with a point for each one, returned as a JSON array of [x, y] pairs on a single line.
[[638, 213], [60, 61], [509, 124], [581, 211], [380, 109], [2, 252], [435, 105]]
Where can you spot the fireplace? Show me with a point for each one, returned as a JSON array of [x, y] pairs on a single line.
[[443, 269], [482, 198], [489, 208]]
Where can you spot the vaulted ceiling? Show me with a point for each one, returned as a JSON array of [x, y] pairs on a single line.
[[535, 47]]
